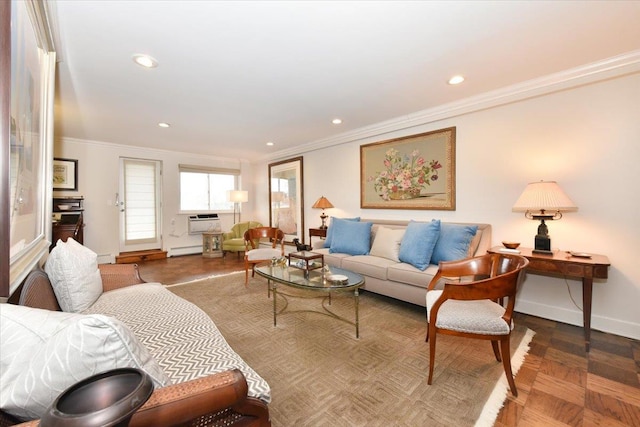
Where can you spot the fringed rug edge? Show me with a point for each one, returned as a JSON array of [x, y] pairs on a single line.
[[499, 394]]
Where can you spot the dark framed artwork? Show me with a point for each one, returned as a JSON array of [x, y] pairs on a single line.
[[65, 174], [412, 172]]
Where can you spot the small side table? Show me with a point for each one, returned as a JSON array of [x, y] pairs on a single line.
[[562, 263], [212, 244], [318, 232], [307, 261]]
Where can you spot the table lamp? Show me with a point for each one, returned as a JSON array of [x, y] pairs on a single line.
[[237, 196], [322, 203], [543, 201]]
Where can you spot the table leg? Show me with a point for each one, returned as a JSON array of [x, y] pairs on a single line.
[[355, 296], [587, 293], [275, 298]]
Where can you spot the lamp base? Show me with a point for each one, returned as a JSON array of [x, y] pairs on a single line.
[[323, 217], [542, 245]]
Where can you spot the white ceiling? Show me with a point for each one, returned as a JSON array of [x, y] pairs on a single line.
[[234, 75]]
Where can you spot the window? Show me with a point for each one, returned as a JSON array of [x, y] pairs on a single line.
[[205, 189]]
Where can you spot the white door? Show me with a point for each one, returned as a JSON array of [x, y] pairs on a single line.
[[140, 205]]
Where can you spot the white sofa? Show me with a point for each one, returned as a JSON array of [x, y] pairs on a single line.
[[395, 279], [112, 319]]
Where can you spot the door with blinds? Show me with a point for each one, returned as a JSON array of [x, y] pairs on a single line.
[[139, 204]]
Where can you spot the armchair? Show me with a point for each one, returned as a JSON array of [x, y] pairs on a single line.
[[254, 254], [233, 240], [470, 304]]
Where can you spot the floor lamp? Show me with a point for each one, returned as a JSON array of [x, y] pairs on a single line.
[[238, 196]]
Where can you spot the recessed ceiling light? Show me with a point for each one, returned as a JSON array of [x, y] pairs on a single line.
[[336, 121], [145, 61], [164, 125], [270, 144], [456, 80]]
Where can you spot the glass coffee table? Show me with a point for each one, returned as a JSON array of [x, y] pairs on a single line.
[[325, 281]]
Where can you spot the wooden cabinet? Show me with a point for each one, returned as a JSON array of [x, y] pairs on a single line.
[[68, 219]]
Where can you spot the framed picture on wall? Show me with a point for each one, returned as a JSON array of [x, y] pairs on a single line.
[[65, 174], [412, 172]]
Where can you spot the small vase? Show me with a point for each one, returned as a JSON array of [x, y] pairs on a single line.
[[410, 193]]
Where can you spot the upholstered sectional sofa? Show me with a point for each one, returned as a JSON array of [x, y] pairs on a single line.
[[384, 271], [113, 319]]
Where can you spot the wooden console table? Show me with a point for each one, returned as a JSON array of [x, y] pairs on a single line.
[[561, 263], [318, 232]]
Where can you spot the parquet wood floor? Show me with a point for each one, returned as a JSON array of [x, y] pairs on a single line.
[[559, 383]]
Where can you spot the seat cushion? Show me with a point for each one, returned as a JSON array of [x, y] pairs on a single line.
[[483, 317], [368, 265], [334, 260], [45, 352], [406, 273], [262, 254]]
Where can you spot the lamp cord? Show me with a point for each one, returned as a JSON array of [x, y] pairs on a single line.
[[571, 296]]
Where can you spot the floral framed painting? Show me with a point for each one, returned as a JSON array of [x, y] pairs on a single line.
[[412, 172]]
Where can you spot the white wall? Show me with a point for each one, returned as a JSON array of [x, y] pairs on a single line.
[[587, 139], [98, 169]]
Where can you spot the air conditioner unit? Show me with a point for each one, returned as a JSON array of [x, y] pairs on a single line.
[[201, 223]]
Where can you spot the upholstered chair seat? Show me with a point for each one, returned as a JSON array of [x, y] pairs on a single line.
[[254, 254], [233, 240]]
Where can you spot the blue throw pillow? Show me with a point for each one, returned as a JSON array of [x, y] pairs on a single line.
[[329, 238], [418, 243], [351, 237], [453, 243]]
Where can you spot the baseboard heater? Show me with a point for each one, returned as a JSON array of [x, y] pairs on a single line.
[[201, 223], [185, 250]]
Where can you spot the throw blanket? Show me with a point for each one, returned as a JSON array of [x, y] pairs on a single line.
[[182, 338]]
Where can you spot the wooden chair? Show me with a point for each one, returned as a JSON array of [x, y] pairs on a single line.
[[470, 303], [254, 254]]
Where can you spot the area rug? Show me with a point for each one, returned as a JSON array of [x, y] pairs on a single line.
[[322, 375]]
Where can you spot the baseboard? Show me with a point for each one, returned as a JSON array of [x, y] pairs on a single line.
[[574, 317], [185, 250]]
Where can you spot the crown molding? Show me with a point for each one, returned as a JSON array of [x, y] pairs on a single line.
[[613, 67], [146, 150]]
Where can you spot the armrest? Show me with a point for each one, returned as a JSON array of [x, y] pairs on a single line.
[[221, 398], [218, 396], [115, 276]]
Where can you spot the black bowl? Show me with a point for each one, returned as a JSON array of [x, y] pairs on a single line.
[[106, 399]]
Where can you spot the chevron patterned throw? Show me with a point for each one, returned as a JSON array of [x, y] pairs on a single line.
[[180, 336]]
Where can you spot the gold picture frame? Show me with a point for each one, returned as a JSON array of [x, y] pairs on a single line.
[[412, 172]]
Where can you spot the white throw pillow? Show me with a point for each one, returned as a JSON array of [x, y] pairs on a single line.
[[387, 243], [75, 278], [45, 352]]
